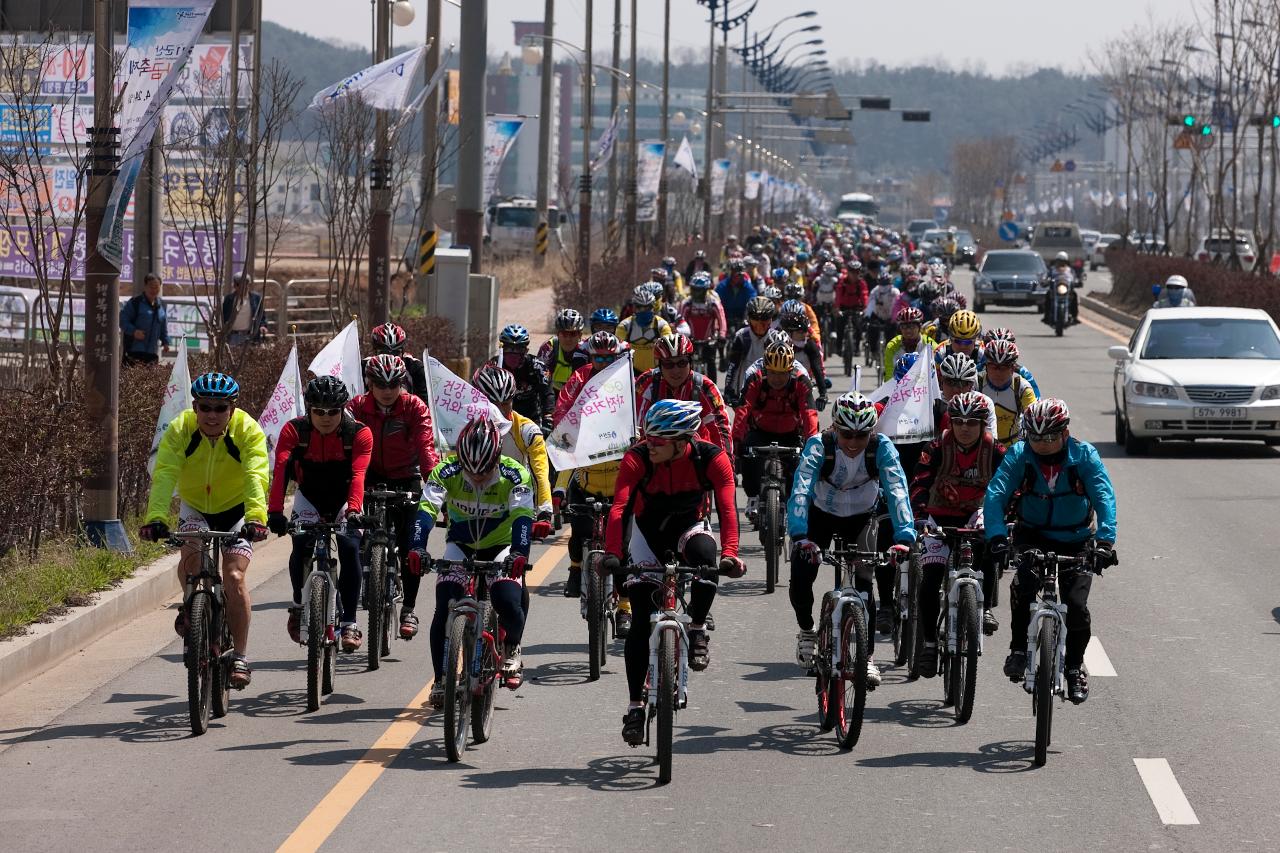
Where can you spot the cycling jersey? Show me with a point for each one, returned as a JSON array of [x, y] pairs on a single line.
[[734, 298], [1059, 495], [824, 289], [851, 486], [534, 398], [1011, 401], [651, 387], [881, 301], [403, 440], [894, 348], [211, 475], [745, 349], [499, 514], [524, 443], [851, 294], [788, 409], [950, 481], [328, 475], [642, 338], [706, 318], [559, 364], [809, 356]]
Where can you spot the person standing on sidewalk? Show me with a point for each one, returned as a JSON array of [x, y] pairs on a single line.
[[144, 322]]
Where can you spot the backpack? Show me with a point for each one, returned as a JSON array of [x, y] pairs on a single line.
[[868, 456], [196, 437], [348, 429]]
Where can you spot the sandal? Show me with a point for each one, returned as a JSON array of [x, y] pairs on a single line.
[[699, 651]]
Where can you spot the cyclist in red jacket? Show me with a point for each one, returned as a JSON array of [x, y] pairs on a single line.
[[674, 379]]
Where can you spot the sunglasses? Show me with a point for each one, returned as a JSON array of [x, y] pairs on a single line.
[[212, 408], [1047, 438], [604, 359], [385, 386], [964, 342], [851, 434], [326, 413], [973, 422], [659, 441], [669, 363]]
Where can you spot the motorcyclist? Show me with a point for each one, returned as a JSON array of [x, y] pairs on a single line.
[[1174, 294], [1060, 273]]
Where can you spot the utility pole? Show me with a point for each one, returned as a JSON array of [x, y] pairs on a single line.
[[705, 178], [632, 152], [584, 189], [471, 94], [233, 156], [256, 203], [102, 309], [544, 133], [146, 218], [380, 186], [430, 141], [611, 224], [661, 240]]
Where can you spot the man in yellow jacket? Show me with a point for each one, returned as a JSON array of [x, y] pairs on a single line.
[[216, 457]]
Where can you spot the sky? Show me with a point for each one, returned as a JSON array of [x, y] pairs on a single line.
[[997, 37]]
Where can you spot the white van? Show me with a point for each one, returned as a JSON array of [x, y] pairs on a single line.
[[513, 227]]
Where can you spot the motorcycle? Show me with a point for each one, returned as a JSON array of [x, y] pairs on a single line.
[[1059, 306]]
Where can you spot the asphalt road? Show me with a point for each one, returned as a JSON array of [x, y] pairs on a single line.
[[96, 754]]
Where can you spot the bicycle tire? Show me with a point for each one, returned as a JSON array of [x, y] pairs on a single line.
[[769, 523], [457, 686], [666, 701], [852, 683], [315, 644], [376, 593], [328, 668], [482, 711], [915, 641], [822, 681], [965, 664], [1046, 674], [595, 617], [847, 349], [901, 632], [222, 665], [199, 662]]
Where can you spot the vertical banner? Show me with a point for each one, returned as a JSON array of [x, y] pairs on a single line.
[[161, 35], [177, 399], [285, 405], [601, 423], [684, 158], [650, 156], [453, 402], [341, 358], [500, 134], [751, 186], [719, 178], [604, 147]]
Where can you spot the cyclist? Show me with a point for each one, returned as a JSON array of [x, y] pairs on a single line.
[[736, 291], [662, 489], [216, 457], [594, 481], [823, 289], [642, 328], [534, 397], [808, 352], [958, 374], [326, 452], [698, 263], [390, 339], [794, 292], [705, 315], [964, 336], [851, 302], [488, 499], [1065, 489], [557, 353], [946, 491], [910, 338], [942, 309], [675, 379], [1000, 381], [523, 442], [843, 474], [602, 320], [776, 406], [1002, 333], [403, 446], [747, 346]]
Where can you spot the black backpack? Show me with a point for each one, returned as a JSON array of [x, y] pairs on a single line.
[[348, 429], [703, 452]]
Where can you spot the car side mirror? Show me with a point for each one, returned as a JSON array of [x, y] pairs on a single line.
[[1118, 352]]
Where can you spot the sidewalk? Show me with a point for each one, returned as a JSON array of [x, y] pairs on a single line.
[[535, 310]]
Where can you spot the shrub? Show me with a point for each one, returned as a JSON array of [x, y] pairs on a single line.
[[1133, 274]]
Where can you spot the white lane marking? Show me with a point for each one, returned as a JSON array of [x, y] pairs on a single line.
[[1165, 792], [1096, 660]]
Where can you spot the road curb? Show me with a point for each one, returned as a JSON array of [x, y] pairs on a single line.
[[1114, 314]]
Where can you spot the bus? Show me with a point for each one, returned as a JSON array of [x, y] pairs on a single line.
[[857, 206]]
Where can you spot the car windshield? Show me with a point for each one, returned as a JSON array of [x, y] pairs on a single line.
[[934, 235], [1013, 262], [517, 217], [1209, 337], [964, 238], [1224, 245]]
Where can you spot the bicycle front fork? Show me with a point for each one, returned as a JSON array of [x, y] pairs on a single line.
[[1058, 613]]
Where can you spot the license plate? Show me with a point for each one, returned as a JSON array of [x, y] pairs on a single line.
[[1219, 412]]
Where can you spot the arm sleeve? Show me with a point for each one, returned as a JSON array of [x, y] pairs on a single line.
[[742, 414], [434, 496], [1097, 484], [802, 485], [890, 356], [169, 459], [361, 453], [522, 514], [819, 369], [537, 452], [893, 483], [720, 473], [253, 457], [542, 382], [1000, 491], [808, 416], [424, 437], [284, 447], [1028, 397], [630, 472], [723, 324]]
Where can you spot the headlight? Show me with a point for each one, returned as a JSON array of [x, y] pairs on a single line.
[[1062, 290], [1271, 392], [1156, 390], [984, 284]]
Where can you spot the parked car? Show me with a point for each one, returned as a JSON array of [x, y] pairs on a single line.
[[1010, 277], [1191, 373], [1098, 257], [1215, 248]]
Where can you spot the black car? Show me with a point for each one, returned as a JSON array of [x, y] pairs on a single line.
[[1010, 277], [966, 250]]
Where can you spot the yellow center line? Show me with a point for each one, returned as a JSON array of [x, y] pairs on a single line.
[[316, 827], [1098, 327]]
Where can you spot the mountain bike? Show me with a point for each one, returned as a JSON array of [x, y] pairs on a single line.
[[598, 597], [873, 346], [319, 628], [667, 682], [473, 655], [852, 339], [773, 502], [1047, 640], [705, 357], [208, 649], [906, 612], [959, 630], [382, 589]]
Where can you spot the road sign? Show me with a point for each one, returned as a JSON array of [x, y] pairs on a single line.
[[1008, 216], [1070, 165], [1056, 167], [1008, 231]]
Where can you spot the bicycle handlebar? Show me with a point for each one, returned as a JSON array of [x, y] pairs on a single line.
[[700, 572], [1080, 562], [476, 567], [774, 449], [592, 507], [178, 536], [306, 527]]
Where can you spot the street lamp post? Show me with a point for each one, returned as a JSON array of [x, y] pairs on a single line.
[[584, 189], [471, 119], [544, 135], [664, 130], [632, 152]]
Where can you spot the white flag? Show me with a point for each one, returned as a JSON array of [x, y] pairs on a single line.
[[500, 132], [684, 158], [285, 405], [602, 422], [384, 86], [908, 411], [454, 402], [604, 146], [341, 358], [177, 399]]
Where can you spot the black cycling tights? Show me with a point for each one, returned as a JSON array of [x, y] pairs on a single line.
[[1073, 590], [348, 572]]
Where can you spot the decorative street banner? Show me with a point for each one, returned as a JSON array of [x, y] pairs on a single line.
[[719, 178], [26, 128], [604, 146], [908, 411], [285, 404], [751, 186], [177, 399], [67, 69], [684, 158], [161, 34], [500, 132], [341, 358], [602, 422], [384, 86], [650, 156], [454, 402], [187, 256]]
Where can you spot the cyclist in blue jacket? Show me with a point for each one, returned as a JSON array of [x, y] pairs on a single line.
[[1066, 502]]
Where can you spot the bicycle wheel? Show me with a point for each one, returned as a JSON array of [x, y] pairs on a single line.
[[595, 615], [914, 637], [846, 349], [1046, 674], [376, 593], [770, 519], [457, 685], [482, 710], [315, 645], [200, 662], [822, 684], [964, 666], [901, 623], [850, 683], [666, 701], [328, 667], [222, 664]]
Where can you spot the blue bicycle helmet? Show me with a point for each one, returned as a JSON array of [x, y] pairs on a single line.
[[780, 274], [700, 281], [903, 364], [215, 386], [514, 335], [673, 419], [604, 315]]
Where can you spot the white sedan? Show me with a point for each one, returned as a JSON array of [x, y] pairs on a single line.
[[1192, 373]]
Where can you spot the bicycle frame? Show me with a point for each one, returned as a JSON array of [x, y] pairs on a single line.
[[1047, 606], [961, 573], [468, 605], [599, 513], [845, 561], [324, 569], [669, 618], [209, 578]]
